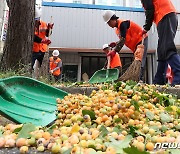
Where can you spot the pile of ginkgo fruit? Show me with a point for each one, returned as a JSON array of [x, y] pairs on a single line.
[[117, 118]]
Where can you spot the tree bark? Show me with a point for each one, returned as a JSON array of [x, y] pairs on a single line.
[[18, 45]]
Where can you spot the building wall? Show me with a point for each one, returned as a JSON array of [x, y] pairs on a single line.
[[176, 4], [177, 38], [85, 28]]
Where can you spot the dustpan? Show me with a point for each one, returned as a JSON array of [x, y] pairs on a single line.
[[106, 75], [25, 100]]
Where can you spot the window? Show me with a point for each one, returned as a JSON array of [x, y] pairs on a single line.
[[101, 2], [117, 2], [137, 3], [133, 3], [70, 73], [77, 2], [126, 3], [91, 64]]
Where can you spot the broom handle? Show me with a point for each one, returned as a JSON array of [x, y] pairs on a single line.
[[143, 37], [108, 64], [50, 30]]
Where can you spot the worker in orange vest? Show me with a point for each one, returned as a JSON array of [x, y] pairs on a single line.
[[163, 14], [41, 42], [55, 65], [129, 33], [115, 62]]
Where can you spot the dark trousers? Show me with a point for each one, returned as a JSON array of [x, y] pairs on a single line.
[[143, 64], [57, 78], [167, 52], [39, 56]]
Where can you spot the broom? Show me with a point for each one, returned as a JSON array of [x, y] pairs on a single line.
[[133, 71]]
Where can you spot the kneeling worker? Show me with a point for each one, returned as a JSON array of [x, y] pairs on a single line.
[[115, 61], [55, 65]]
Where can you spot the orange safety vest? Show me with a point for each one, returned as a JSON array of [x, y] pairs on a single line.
[[133, 34], [162, 8], [41, 32], [115, 61], [53, 64]]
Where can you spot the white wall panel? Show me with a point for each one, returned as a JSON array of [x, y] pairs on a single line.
[[176, 4], [177, 38]]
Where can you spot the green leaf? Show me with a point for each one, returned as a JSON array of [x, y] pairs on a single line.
[[92, 146], [117, 85], [178, 111], [119, 145], [135, 104], [17, 130], [67, 151], [175, 151], [140, 134], [132, 130], [128, 87], [172, 101], [50, 129], [169, 109], [25, 131], [131, 83], [165, 117], [117, 129], [117, 120], [156, 128], [163, 98], [90, 113], [177, 127], [1, 133], [150, 115], [134, 150], [103, 131]]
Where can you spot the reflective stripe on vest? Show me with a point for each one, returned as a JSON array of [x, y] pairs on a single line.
[[42, 34], [162, 8], [53, 64], [115, 61], [133, 34]]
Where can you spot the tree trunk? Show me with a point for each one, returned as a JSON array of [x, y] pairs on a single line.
[[18, 45]]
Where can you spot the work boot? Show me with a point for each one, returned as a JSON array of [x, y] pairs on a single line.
[[160, 77], [174, 62]]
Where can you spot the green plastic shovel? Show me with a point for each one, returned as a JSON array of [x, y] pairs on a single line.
[[25, 100], [102, 76]]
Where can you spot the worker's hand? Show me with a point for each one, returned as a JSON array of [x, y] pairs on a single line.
[[112, 44], [111, 53], [139, 52], [51, 71], [46, 41], [144, 32], [50, 26]]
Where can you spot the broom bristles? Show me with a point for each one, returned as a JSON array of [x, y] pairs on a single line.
[[132, 73]]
